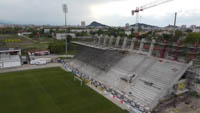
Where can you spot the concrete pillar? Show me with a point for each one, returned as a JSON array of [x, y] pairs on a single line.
[[151, 47], [117, 41], [99, 40], [95, 39], [141, 44], [124, 43], [132, 44], [111, 41], [105, 41], [96, 35]]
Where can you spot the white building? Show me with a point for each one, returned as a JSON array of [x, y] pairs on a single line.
[[10, 57], [196, 30], [183, 27], [40, 61], [127, 25], [46, 30], [62, 36], [24, 33], [193, 27], [78, 30], [83, 24], [128, 32]]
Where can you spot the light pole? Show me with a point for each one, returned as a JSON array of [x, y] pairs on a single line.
[[65, 10]]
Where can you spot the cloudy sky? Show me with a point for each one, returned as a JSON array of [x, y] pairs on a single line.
[[110, 12]]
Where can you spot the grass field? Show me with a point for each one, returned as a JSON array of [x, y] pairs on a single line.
[[50, 90]]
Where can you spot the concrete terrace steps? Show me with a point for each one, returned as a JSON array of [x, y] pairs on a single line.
[[143, 96], [108, 66], [163, 76], [160, 79], [159, 85], [149, 88], [129, 63], [146, 92], [148, 66], [101, 59]]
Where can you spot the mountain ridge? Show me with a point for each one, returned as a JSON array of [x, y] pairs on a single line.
[[97, 24]]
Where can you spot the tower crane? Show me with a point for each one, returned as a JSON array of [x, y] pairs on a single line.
[[144, 7]]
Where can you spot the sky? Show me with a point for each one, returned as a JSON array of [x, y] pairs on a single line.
[[109, 12]]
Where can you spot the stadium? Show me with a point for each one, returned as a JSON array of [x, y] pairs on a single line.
[[107, 75], [130, 72]]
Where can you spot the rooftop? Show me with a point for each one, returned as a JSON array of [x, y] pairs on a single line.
[[9, 49]]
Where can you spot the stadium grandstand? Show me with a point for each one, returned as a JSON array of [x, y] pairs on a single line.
[[136, 78], [10, 57]]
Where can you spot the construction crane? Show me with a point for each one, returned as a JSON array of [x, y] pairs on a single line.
[[144, 7]]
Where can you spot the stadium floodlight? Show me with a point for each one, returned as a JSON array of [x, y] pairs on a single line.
[[65, 10]]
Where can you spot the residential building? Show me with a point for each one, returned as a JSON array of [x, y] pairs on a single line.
[[62, 36]]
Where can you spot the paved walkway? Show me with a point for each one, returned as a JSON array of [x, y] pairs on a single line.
[[28, 67]]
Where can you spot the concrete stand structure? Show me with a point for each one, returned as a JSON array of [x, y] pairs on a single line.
[[151, 47], [124, 43], [132, 44], [117, 42], [10, 57], [139, 80]]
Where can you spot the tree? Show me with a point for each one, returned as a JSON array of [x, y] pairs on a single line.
[[167, 37], [188, 30], [57, 47], [192, 38]]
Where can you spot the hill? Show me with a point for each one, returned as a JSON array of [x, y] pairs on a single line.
[[145, 26], [97, 24]]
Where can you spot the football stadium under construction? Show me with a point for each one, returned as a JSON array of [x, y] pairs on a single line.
[[137, 73]]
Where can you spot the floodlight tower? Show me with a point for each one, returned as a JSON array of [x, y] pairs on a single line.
[[65, 10]]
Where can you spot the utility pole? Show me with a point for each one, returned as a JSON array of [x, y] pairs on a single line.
[[65, 10]]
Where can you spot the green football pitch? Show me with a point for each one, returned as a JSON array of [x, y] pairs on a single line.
[[50, 90]]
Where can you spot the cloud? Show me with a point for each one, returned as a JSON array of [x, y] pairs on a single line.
[[110, 12]]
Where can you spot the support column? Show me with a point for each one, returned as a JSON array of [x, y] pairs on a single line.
[[124, 43], [163, 51], [105, 40], [132, 44], [117, 41], [111, 41], [151, 47], [141, 44], [99, 40], [94, 39]]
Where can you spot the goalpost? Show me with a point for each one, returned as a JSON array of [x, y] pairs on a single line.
[[76, 78]]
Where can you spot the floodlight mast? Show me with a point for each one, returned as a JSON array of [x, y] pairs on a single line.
[[65, 10]]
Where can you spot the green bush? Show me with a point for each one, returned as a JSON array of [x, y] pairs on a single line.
[[192, 38], [57, 47]]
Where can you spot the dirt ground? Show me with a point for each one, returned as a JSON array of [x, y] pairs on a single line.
[[189, 105]]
